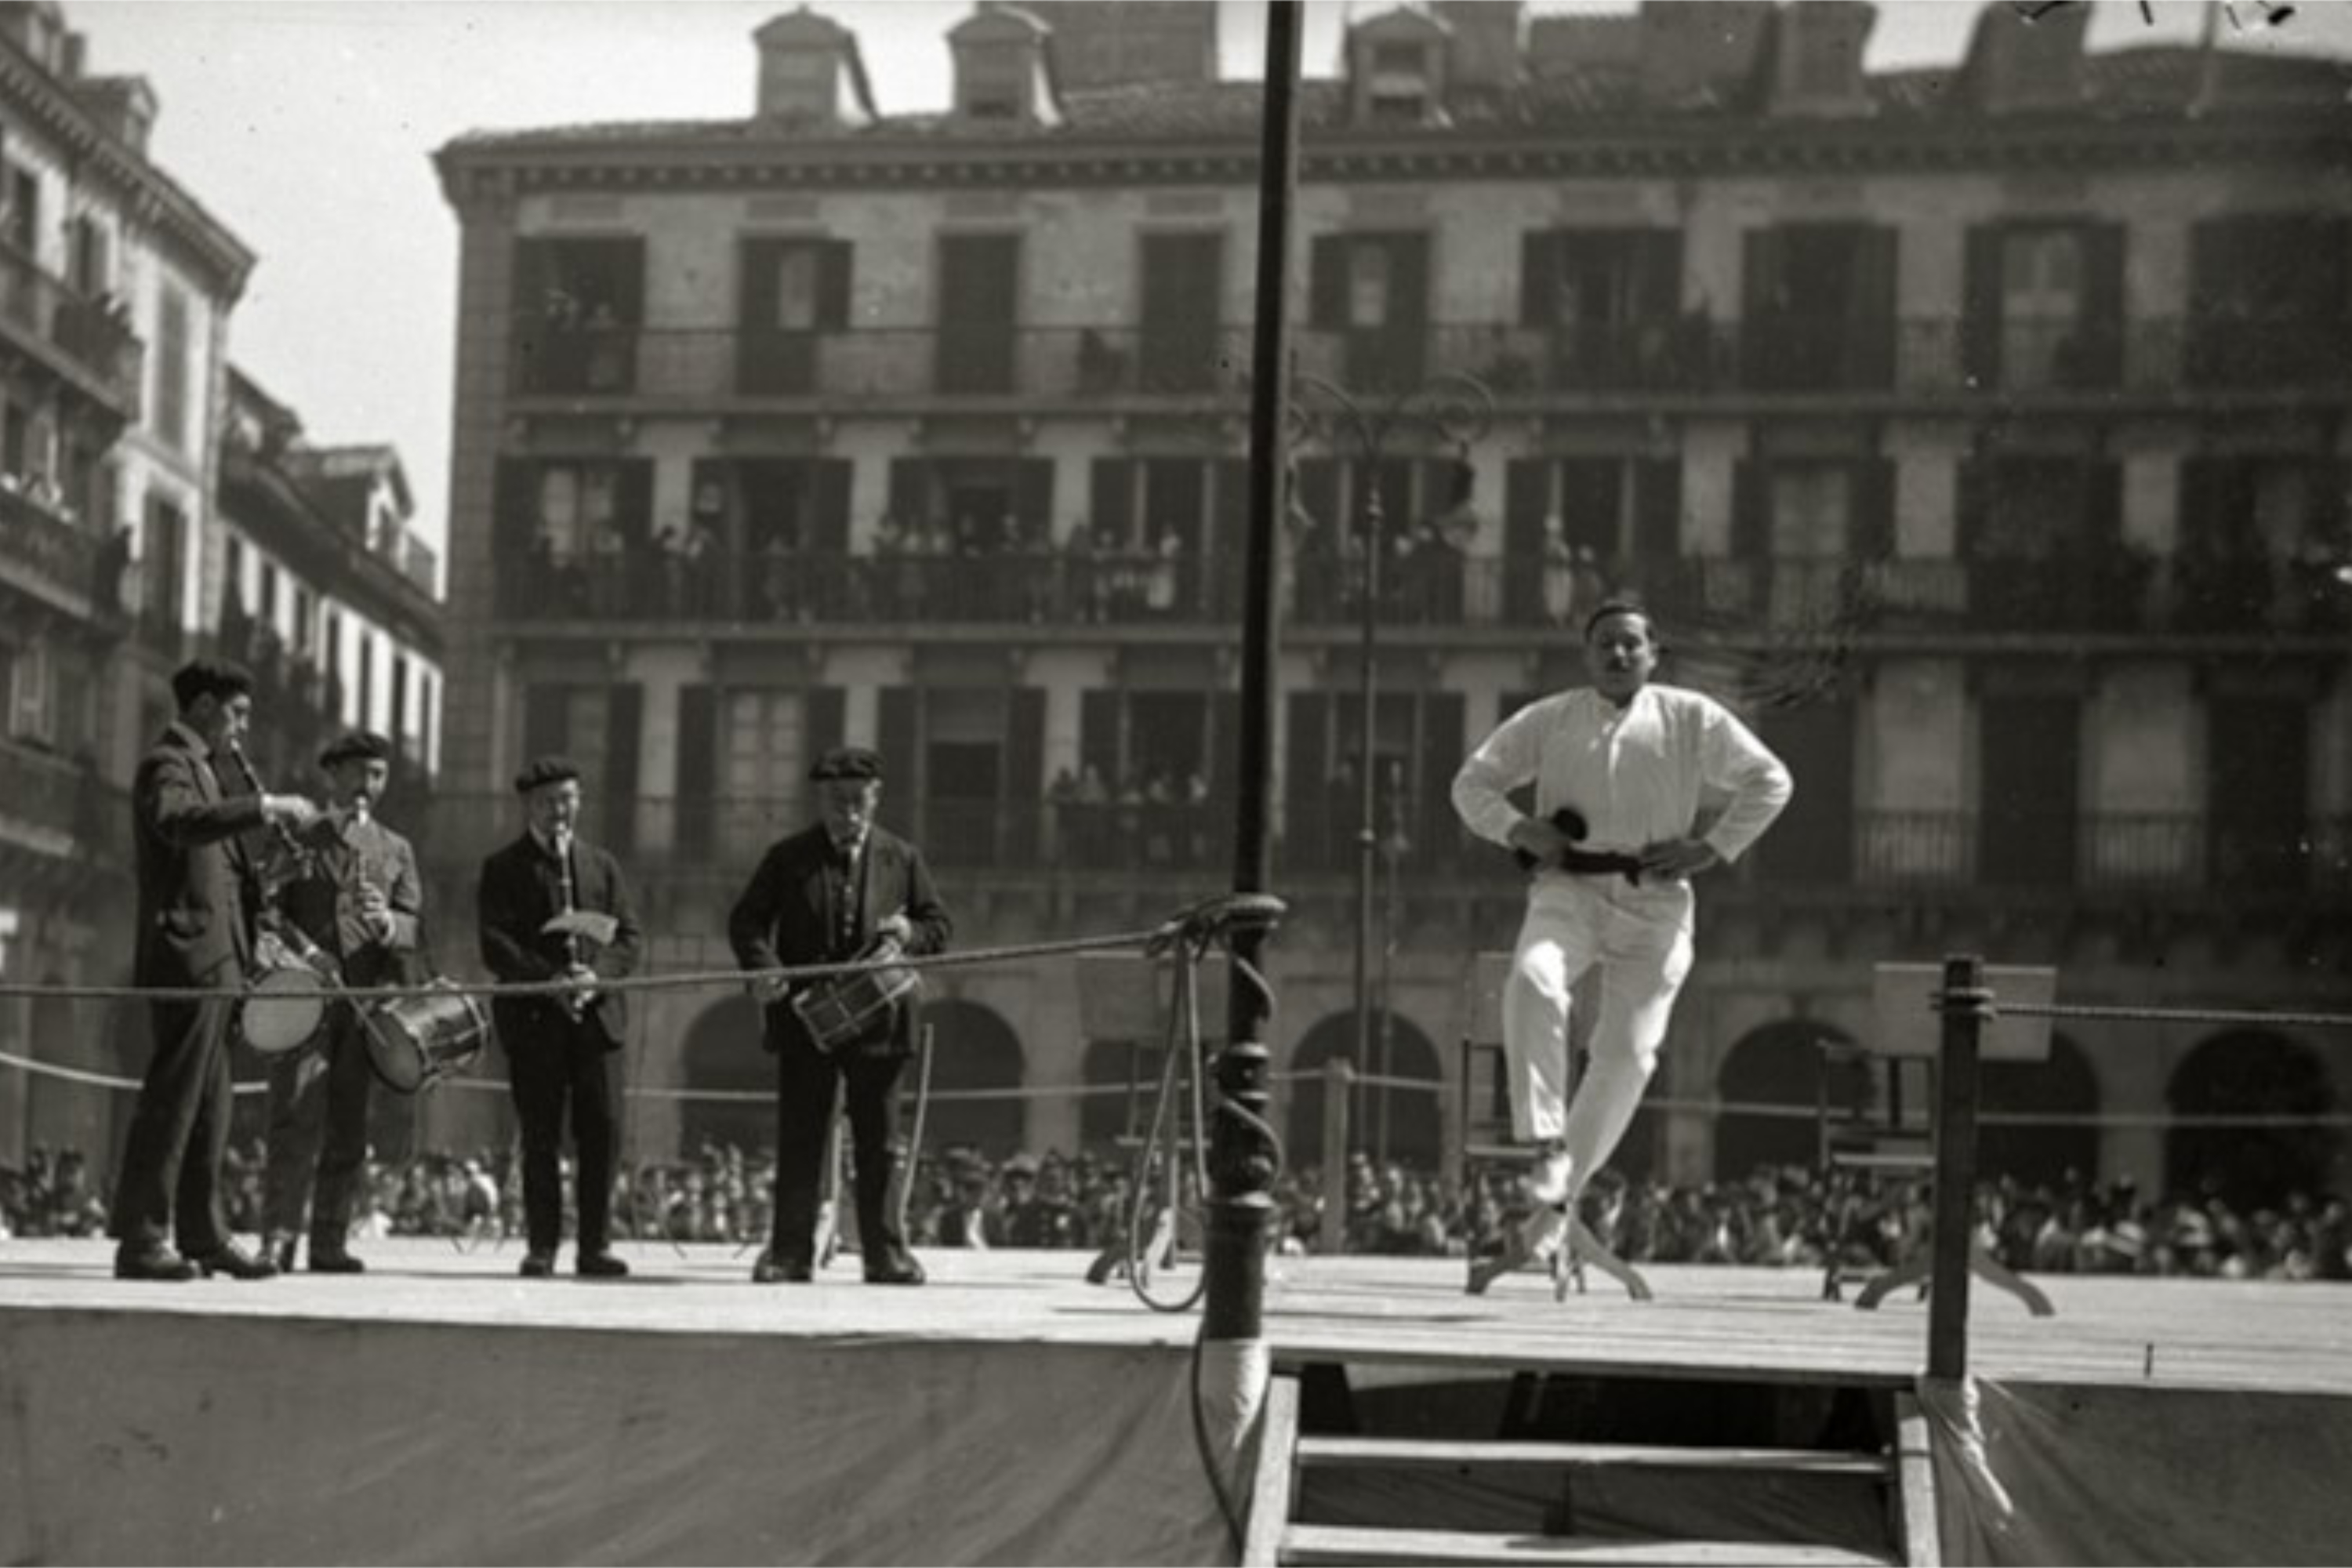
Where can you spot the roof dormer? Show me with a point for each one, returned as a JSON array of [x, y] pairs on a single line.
[[1004, 69], [2018, 63], [810, 73], [1397, 64], [1817, 67]]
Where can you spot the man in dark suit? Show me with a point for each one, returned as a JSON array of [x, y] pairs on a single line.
[[358, 900], [823, 896], [196, 929], [557, 1047]]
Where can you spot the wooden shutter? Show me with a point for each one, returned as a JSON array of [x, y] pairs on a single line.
[[1871, 307], [1326, 290], [633, 499], [755, 290], [899, 742], [1024, 771], [910, 490], [2103, 506], [833, 279], [1970, 487], [1033, 500], [1099, 747], [625, 713], [1751, 523], [546, 722], [1657, 274], [1657, 509], [1307, 828], [1981, 319], [514, 519], [695, 797], [1438, 835], [1539, 272], [2099, 341]]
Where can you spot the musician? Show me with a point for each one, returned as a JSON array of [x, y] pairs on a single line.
[[558, 1046], [194, 930], [358, 900], [825, 894], [1625, 761]]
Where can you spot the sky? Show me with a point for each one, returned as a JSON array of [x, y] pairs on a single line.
[[307, 126]]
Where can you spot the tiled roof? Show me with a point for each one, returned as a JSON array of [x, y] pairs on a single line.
[[2154, 79]]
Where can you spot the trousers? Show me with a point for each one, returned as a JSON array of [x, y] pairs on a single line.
[[1640, 940], [179, 1131], [317, 1133], [559, 1068]]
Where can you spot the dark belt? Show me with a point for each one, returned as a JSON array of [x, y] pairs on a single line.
[[1598, 863]]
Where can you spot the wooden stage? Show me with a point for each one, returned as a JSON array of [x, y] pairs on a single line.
[[1706, 1322]]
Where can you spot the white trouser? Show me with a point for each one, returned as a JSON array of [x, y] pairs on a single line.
[[1641, 937]]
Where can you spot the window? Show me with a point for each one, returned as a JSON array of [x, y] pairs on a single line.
[[303, 639], [23, 212], [266, 606], [1368, 286], [576, 509], [367, 681], [1810, 505], [172, 369], [28, 694], [91, 271]]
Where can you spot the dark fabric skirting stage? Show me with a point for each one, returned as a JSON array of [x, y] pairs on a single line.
[[439, 1409]]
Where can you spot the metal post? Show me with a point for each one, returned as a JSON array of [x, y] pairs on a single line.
[[1241, 1157], [1966, 1006], [1338, 1084], [1368, 785]]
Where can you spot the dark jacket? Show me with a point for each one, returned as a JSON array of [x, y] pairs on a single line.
[[787, 917], [196, 927], [522, 890], [343, 854]]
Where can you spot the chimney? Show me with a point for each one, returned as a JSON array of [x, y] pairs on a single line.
[[124, 105], [1397, 65], [1487, 44], [1004, 68], [1118, 43], [810, 73], [2018, 65], [1817, 67], [1693, 54]]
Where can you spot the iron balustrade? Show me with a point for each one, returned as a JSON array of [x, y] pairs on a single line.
[[89, 337], [1941, 357], [50, 555], [64, 800], [2117, 592]]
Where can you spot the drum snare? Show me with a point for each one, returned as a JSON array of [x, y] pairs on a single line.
[[415, 1042]]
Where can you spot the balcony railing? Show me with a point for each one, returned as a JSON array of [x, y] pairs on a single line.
[[53, 558], [90, 337], [69, 809], [1936, 356], [2098, 857], [878, 365], [2122, 593]]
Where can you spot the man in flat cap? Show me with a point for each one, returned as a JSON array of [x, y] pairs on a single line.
[[552, 907], [360, 901], [195, 931], [826, 895]]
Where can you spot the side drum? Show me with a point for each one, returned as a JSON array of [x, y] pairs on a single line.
[[414, 1042], [283, 1006]]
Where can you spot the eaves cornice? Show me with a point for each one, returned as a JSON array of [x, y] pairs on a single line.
[[1715, 149], [149, 196]]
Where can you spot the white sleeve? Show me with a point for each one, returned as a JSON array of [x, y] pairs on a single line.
[[1504, 761], [1733, 760]]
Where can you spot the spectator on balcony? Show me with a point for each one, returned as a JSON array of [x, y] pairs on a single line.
[[776, 578], [1558, 574], [1591, 588], [1081, 585], [1062, 805], [112, 563], [1100, 367], [1161, 580], [699, 556]]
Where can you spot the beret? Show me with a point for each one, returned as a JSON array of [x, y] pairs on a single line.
[[356, 745], [545, 771], [847, 763]]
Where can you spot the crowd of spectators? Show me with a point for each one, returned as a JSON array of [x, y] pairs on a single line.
[[1792, 1218]]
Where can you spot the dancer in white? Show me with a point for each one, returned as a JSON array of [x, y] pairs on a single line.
[[1620, 770]]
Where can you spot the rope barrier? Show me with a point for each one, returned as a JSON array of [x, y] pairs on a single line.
[[2251, 1017], [1758, 1109]]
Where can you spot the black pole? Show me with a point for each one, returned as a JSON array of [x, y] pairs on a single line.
[[1241, 1156], [1368, 836], [1966, 1006]]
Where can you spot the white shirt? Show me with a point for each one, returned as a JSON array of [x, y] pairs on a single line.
[[1637, 774]]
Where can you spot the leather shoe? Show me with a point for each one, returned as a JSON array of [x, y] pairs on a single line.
[[600, 1266], [537, 1264], [236, 1262], [334, 1260], [769, 1271], [156, 1262], [902, 1271]]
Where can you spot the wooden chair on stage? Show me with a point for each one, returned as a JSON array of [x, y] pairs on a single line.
[[1884, 1137], [1486, 1134]]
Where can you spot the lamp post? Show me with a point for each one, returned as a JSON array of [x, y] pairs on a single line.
[[1456, 410]]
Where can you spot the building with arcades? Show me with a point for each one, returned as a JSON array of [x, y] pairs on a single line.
[[1979, 431]]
